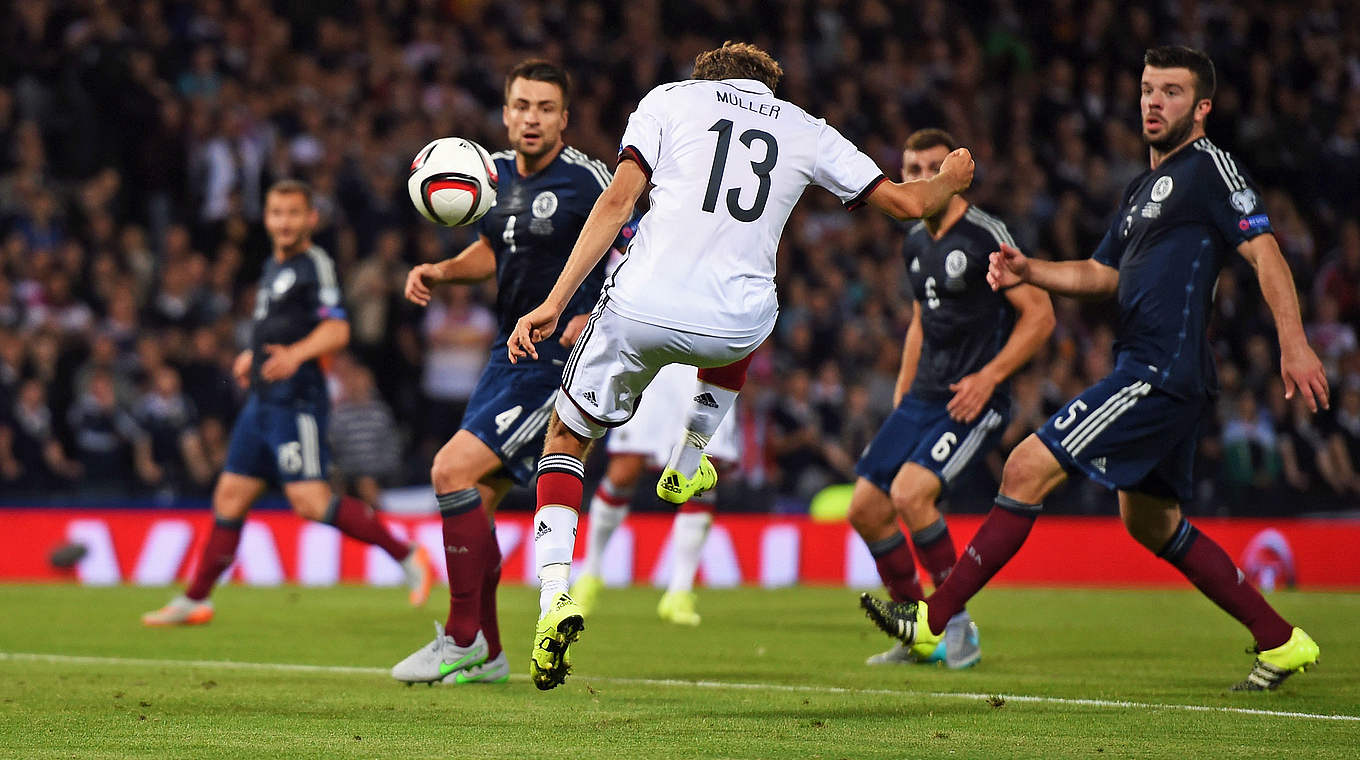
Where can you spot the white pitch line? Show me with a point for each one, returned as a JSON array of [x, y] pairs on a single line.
[[285, 667]]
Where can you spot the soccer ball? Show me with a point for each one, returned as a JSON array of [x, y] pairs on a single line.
[[452, 182]]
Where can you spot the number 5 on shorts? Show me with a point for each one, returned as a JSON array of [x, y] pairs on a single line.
[[1076, 408]]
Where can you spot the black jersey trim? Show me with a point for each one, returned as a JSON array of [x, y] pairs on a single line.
[[868, 190], [633, 154]]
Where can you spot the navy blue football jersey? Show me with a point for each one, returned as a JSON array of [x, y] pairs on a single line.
[[1177, 227], [294, 296], [964, 322], [532, 229]]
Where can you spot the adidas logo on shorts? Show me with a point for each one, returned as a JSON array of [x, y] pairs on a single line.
[[590, 396], [1098, 463], [706, 399], [542, 531]]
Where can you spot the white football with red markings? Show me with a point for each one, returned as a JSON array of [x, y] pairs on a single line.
[[452, 182]]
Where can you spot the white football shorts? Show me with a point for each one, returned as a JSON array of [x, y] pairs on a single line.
[[616, 358]]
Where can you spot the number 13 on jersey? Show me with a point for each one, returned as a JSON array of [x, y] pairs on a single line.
[[761, 169]]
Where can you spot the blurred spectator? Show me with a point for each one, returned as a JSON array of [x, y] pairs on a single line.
[[363, 436], [458, 334], [797, 442], [1250, 456], [1308, 455], [177, 451], [108, 442], [1347, 441], [36, 463]]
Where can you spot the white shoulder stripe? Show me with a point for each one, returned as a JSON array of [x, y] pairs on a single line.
[[990, 223], [596, 169], [1227, 159], [503, 154], [329, 284], [1227, 169]]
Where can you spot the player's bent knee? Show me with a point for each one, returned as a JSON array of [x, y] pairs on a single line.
[[870, 513], [234, 494], [448, 472], [915, 494], [310, 499], [1031, 472]]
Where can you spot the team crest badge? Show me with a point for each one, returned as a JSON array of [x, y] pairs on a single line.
[[1162, 189], [915, 265], [545, 205], [955, 263], [282, 282], [1244, 201]]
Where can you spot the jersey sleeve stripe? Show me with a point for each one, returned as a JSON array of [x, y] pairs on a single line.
[[990, 223], [632, 153], [1227, 161], [329, 291], [861, 196], [596, 169], [1230, 178]]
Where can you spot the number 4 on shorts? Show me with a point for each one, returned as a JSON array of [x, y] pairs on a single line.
[[507, 418]]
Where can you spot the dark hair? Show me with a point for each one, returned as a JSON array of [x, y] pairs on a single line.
[[1182, 57], [539, 70], [738, 60], [297, 186], [925, 139]]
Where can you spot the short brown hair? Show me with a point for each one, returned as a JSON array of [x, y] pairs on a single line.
[[925, 139], [297, 186], [738, 60], [539, 70], [1181, 57]]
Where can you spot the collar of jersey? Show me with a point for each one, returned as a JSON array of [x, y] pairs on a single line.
[[752, 86]]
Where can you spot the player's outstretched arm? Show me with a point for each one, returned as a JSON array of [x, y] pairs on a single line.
[[1034, 323], [925, 197], [612, 210], [329, 336], [475, 263], [1299, 365], [1087, 278]]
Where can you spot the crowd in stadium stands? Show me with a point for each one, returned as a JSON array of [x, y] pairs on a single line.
[[136, 139]]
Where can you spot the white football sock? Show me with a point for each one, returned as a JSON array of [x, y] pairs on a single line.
[[554, 541], [706, 412], [688, 533]]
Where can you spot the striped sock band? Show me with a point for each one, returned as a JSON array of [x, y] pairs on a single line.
[[563, 463]]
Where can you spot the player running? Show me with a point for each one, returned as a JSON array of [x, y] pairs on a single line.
[[280, 435], [642, 442], [727, 161], [1136, 430], [546, 189], [963, 343]]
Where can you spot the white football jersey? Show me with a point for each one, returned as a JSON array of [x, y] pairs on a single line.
[[727, 161]]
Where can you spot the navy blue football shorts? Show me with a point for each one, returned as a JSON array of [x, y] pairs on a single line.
[[921, 431], [509, 411], [1126, 434], [279, 443]]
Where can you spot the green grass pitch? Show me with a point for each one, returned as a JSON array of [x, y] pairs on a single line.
[[769, 674]]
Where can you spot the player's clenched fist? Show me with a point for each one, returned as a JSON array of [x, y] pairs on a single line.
[[1007, 267], [419, 282], [958, 168]]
